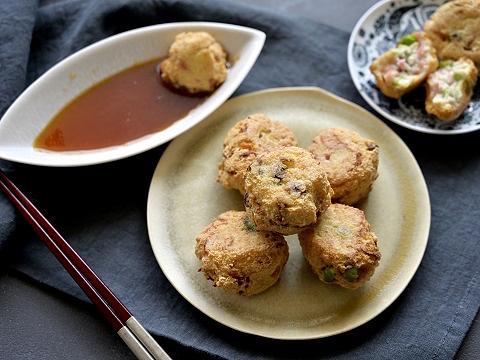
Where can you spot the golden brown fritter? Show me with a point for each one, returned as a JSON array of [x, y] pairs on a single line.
[[350, 162], [249, 138], [239, 259], [286, 190], [450, 88], [341, 248], [196, 63], [403, 68], [455, 30]]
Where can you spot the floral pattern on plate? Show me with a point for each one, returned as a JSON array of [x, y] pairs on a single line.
[[378, 30]]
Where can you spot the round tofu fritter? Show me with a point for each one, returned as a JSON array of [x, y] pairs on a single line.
[[196, 63], [450, 88], [455, 30], [341, 248], [249, 138], [403, 68], [350, 162], [239, 259], [286, 190]]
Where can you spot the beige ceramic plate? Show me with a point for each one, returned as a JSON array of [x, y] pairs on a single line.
[[184, 197]]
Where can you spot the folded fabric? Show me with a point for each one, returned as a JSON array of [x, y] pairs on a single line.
[[101, 209]]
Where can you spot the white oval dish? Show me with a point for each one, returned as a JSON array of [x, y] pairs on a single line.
[[378, 30], [184, 198], [42, 100]]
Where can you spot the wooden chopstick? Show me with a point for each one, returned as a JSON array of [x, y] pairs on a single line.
[[112, 309]]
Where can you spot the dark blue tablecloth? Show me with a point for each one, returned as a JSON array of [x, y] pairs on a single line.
[[101, 209]]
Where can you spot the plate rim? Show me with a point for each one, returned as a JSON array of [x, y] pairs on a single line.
[[370, 102], [399, 290]]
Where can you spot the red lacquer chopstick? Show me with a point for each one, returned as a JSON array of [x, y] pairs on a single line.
[[112, 309]]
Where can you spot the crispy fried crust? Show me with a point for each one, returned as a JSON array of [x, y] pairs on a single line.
[[350, 162], [450, 110], [286, 190], [239, 259], [388, 86], [249, 138], [385, 87], [196, 63], [455, 30], [342, 239]]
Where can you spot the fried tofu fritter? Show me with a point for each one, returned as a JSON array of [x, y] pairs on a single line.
[[454, 29], [350, 162], [403, 68], [249, 138], [450, 88], [196, 63], [237, 257], [286, 190], [341, 248]]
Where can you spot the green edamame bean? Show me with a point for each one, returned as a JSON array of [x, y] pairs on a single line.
[[458, 76], [351, 274], [249, 224], [328, 274], [408, 40]]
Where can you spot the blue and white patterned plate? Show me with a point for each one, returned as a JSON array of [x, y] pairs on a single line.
[[378, 30]]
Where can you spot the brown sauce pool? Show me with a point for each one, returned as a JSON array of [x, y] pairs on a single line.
[[126, 106]]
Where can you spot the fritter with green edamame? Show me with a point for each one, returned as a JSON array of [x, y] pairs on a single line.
[[341, 248], [237, 257], [403, 68], [450, 88]]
